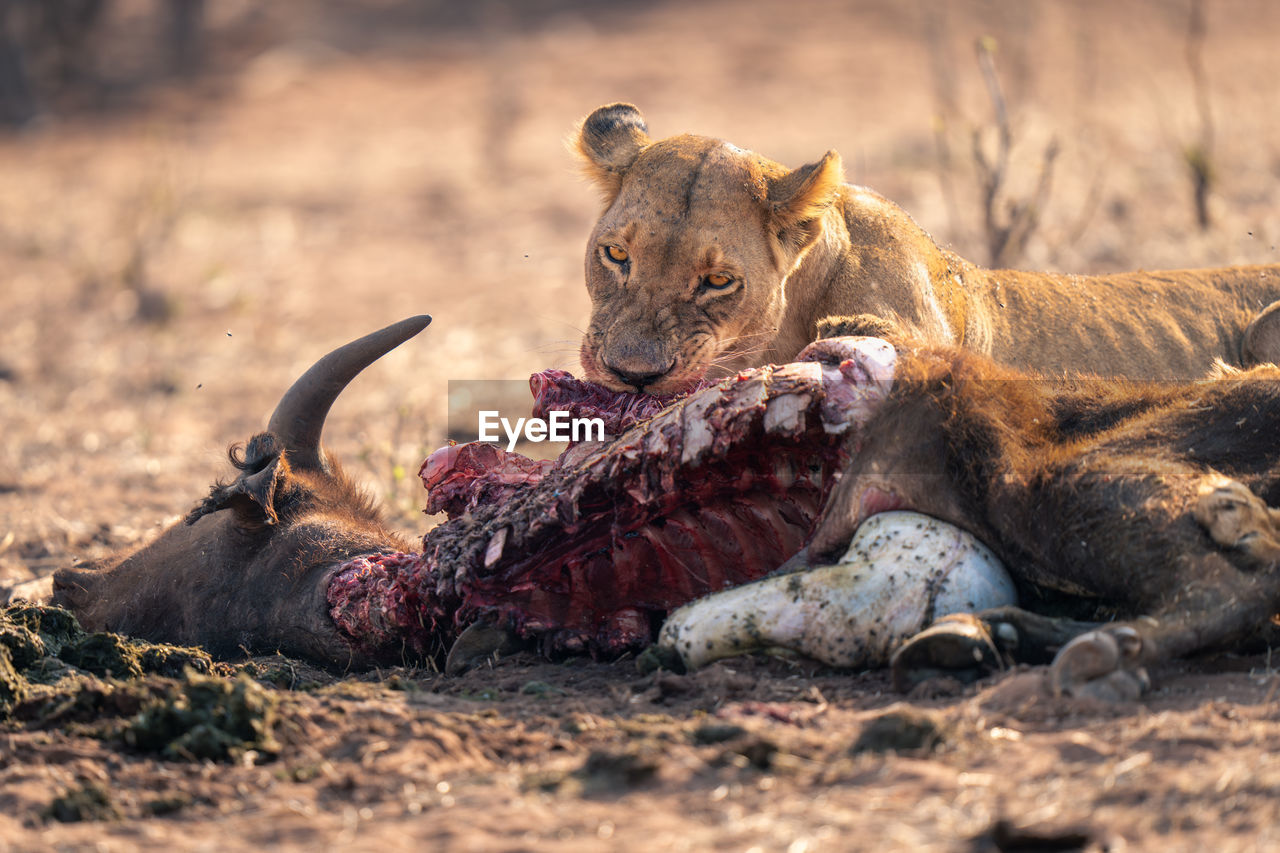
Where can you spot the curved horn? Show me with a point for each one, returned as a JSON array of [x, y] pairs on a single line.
[[299, 416]]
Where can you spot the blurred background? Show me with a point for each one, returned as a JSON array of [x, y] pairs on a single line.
[[197, 199]]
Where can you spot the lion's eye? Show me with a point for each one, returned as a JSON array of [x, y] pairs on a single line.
[[617, 254], [718, 281]]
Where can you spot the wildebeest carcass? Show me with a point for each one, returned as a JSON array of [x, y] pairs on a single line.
[[586, 556], [1146, 504], [1150, 498]]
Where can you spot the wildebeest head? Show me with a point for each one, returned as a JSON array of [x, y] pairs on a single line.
[[249, 566]]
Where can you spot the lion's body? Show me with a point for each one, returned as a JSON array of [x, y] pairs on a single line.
[[1142, 325], [797, 246]]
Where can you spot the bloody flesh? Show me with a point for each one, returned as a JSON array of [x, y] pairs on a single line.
[[560, 391], [589, 553]]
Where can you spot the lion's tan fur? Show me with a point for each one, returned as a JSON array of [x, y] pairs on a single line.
[[802, 245]]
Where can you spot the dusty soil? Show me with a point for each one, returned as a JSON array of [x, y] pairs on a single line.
[[171, 256]]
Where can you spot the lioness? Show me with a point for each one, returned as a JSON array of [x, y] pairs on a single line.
[[709, 258]]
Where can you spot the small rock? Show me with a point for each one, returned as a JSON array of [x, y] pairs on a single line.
[[901, 730], [89, 802], [717, 733]]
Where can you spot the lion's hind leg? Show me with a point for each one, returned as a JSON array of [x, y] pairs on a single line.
[[1261, 343], [1236, 518]]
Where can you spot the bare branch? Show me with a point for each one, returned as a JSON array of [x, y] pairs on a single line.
[[1007, 235], [1199, 154], [941, 63]]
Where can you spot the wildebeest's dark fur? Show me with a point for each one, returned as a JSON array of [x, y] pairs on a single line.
[[1089, 488]]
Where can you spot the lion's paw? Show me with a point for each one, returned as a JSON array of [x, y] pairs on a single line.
[[855, 325], [1100, 664], [1237, 518]]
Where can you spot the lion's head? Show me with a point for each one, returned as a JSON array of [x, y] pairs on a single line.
[[687, 267]]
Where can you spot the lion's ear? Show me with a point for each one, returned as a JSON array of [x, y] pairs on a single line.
[[609, 141], [800, 198]]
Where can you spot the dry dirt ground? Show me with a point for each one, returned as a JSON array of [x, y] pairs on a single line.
[[171, 256]]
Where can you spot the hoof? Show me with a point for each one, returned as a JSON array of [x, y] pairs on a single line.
[[1237, 518], [959, 646], [477, 643], [1102, 665], [658, 657]]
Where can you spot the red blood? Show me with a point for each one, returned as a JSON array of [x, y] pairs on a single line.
[[461, 476], [388, 604], [874, 501], [559, 391], [588, 553]]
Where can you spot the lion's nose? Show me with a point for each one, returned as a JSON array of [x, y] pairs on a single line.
[[639, 379]]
